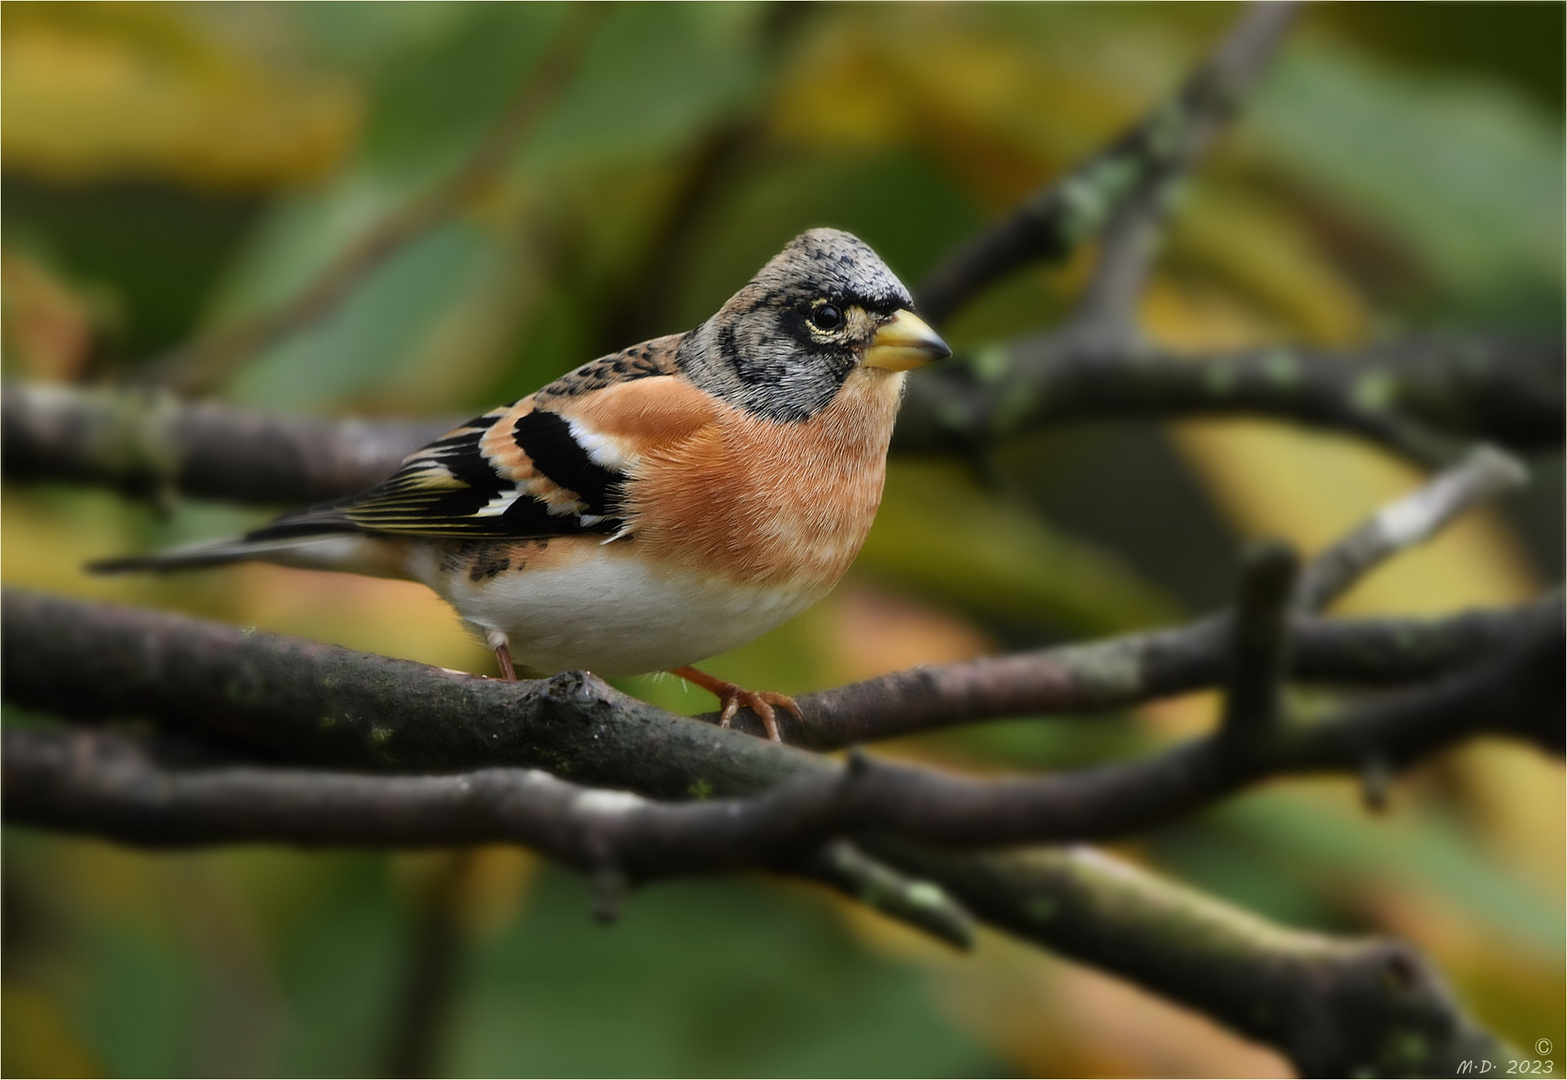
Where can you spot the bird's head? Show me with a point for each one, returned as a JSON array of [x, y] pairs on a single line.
[[822, 310]]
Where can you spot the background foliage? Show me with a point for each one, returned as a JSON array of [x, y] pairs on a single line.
[[167, 168]]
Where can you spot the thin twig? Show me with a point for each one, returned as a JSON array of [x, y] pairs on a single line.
[[916, 901], [1106, 312], [1483, 475], [1167, 141], [1108, 307], [1260, 644]]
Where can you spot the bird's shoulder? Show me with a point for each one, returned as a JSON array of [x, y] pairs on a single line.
[[647, 360], [622, 404]]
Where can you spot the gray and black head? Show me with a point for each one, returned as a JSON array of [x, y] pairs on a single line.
[[823, 307]]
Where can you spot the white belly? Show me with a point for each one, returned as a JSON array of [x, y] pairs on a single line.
[[610, 615]]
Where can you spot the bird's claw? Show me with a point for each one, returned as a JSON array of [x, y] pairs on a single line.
[[761, 702], [731, 697]]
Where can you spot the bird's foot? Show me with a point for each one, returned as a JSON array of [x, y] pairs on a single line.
[[731, 697], [502, 646]]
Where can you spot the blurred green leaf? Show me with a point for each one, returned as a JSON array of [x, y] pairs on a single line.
[[655, 75], [937, 533], [378, 331], [99, 92], [1334, 850], [709, 978], [36, 1038], [1467, 173], [342, 957], [142, 1010], [438, 95]]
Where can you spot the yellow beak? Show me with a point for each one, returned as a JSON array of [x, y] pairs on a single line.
[[905, 342]]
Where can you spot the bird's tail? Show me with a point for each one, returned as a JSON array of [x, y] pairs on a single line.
[[288, 541], [209, 553]]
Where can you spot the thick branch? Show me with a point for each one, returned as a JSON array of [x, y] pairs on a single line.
[[1397, 395], [114, 786], [49, 640], [149, 442], [1334, 1007], [1416, 397], [1073, 680], [1069, 901], [109, 785], [1051, 223], [293, 698], [290, 698]]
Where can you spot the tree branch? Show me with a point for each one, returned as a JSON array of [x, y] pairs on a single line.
[[917, 901], [1334, 1007], [1265, 982], [1073, 680], [1399, 396], [110, 785], [420, 718], [205, 665], [1169, 140], [1418, 398], [1483, 475], [150, 442], [1074, 903], [1259, 646]]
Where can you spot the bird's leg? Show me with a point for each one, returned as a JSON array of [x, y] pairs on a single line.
[[731, 697], [502, 646]]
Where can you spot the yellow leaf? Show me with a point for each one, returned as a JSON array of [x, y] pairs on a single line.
[[92, 92]]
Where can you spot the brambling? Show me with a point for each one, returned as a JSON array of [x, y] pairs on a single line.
[[656, 506]]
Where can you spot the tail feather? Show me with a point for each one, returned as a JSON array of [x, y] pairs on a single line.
[[210, 553]]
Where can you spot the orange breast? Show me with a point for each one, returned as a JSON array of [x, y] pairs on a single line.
[[759, 501]]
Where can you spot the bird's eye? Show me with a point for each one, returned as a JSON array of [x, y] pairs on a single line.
[[826, 317]]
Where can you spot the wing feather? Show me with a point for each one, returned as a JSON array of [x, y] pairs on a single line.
[[552, 464]]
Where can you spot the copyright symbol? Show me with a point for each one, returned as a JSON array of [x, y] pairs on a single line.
[[1542, 1047]]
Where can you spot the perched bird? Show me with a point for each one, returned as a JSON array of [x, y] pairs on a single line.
[[656, 506]]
